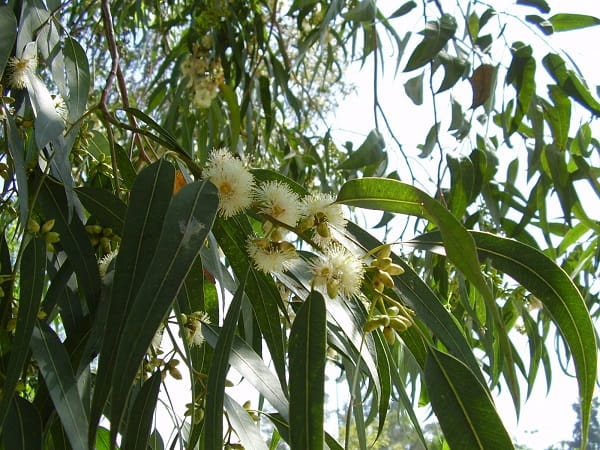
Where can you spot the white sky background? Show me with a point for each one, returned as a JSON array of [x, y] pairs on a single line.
[[544, 419]]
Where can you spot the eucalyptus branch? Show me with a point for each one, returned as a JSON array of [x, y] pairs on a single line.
[[115, 72]]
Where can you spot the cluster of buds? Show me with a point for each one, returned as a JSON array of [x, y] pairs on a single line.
[[395, 318], [204, 73], [102, 238], [166, 367], [384, 269], [44, 230]]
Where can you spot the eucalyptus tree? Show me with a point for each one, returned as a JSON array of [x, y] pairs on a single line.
[[175, 203]]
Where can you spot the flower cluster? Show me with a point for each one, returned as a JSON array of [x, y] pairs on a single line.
[[234, 182], [20, 69], [317, 219], [192, 327], [204, 75]]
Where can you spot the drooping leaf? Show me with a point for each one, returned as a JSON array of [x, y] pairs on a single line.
[[370, 152], [234, 115], [553, 287], [454, 69], [569, 21], [142, 414], [23, 426], [570, 82], [307, 374], [8, 34], [77, 71], [33, 268], [364, 11], [215, 391], [55, 367], [188, 221], [521, 74], [463, 405], [17, 155], [436, 34], [414, 89], [483, 83]]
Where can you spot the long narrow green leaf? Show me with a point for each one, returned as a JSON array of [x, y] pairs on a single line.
[[55, 367], [73, 239], [148, 204], [463, 405], [78, 78], [307, 374], [215, 390], [567, 22], [23, 427], [16, 149], [77, 71], [394, 196], [188, 220], [561, 298], [8, 34], [141, 414], [249, 365], [33, 268]]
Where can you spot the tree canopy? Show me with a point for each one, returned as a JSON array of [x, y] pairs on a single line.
[[176, 202]]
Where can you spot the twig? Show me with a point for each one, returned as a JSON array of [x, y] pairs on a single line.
[[115, 72]]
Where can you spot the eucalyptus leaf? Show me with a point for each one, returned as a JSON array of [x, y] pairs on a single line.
[[8, 34], [307, 374]]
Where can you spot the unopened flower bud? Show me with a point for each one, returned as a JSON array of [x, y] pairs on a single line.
[[389, 335], [32, 226], [52, 237], [323, 230], [400, 323], [47, 226], [395, 269]]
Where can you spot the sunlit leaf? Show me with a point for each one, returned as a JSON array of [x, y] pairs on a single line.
[[570, 82], [463, 405], [307, 374], [567, 21], [395, 196]]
